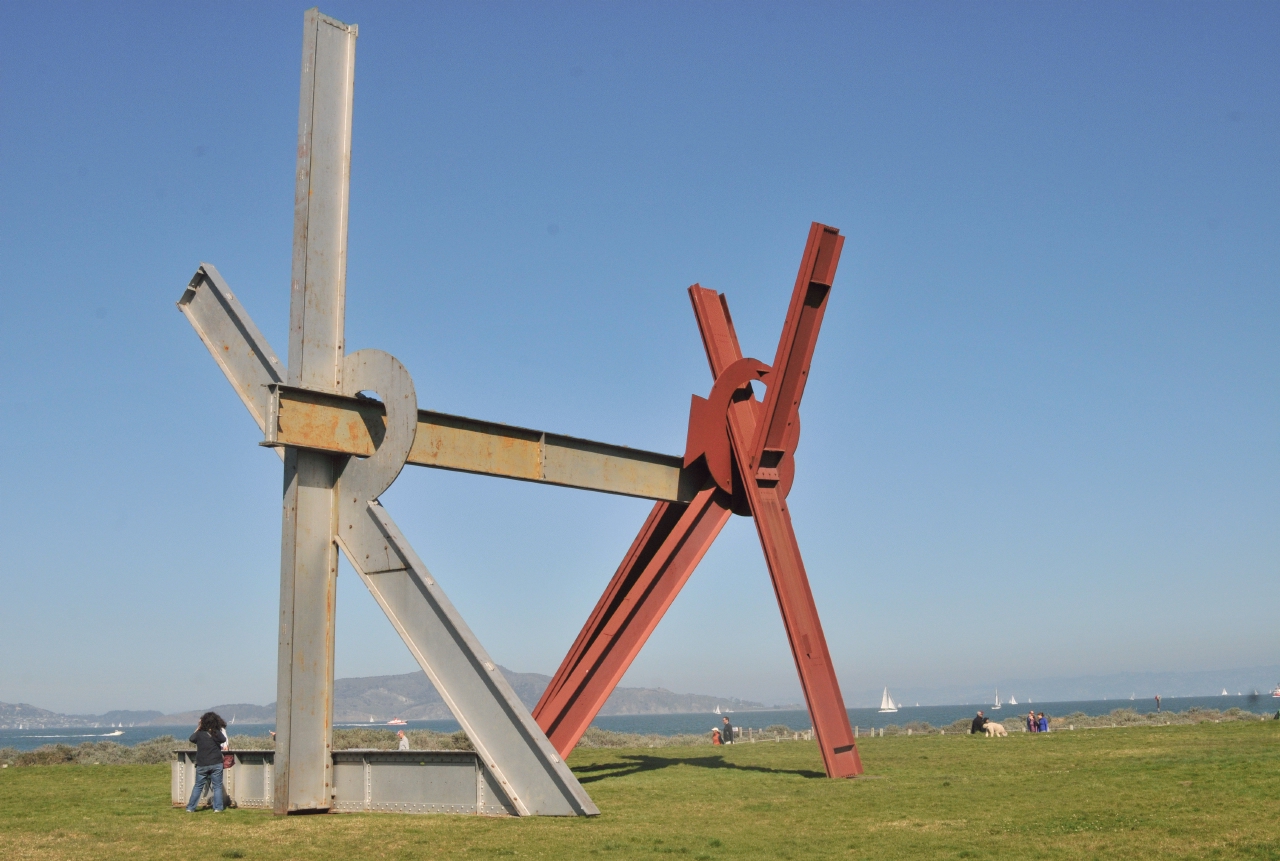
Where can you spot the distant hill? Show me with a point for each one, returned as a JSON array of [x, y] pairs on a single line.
[[408, 696], [15, 715], [237, 712]]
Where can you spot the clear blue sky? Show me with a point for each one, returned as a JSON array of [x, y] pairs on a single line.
[[1040, 436]]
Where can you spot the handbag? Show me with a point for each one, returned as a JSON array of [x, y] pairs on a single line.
[[228, 760]]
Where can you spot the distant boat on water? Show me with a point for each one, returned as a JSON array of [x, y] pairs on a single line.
[[109, 734], [1224, 693], [886, 704], [1013, 701], [997, 705], [396, 722]]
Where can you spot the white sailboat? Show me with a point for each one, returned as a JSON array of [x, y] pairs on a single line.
[[1013, 701], [1224, 693], [717, 709], [886, 704], [996, 707]]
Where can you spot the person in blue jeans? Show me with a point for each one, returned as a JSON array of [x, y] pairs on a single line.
[[1042, 723], [208, 739]]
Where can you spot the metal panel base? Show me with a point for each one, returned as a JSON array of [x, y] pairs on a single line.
[[387, 781]]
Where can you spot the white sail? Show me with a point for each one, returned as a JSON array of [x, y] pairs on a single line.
[[1013, 701], [886, 704], [1224, 692], [997, 705], [717, 709]]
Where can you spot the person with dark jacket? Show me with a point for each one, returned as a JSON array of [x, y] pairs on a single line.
[[979, 723], [726, 732], [208, 739]]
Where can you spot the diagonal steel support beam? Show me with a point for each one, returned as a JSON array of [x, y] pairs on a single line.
[[729, 430], [759, 458]]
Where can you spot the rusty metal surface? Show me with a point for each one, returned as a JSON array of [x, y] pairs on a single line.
[[669, 547], [355, 426], [758, 452], [745, 450]]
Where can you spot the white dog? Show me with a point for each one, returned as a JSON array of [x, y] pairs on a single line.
[[994, 729]]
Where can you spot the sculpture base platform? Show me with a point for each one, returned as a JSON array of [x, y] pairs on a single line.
[[388, 781]]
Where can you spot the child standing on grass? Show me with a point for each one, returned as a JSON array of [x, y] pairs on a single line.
[[208, 739]]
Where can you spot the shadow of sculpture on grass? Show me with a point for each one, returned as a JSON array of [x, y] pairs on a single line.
[[631, 764]]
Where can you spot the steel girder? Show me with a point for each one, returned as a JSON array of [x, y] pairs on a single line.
[[746, 449]]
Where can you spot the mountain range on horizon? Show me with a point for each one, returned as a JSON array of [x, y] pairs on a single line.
[[377, 699], [410, 696]]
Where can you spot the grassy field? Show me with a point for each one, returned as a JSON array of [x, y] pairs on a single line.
[[1207, 791]]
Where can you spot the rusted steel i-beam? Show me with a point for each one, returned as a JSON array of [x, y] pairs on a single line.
[[726, 431], [670, 545], [759, 460]]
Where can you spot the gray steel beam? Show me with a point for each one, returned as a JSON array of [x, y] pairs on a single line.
[[308, 554], [508, 740], [354, 426]]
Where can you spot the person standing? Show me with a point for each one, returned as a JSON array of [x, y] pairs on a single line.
[[726, 732], [404, 740], [1042, 723], [978, 724], [1032, 726], [208, 739], [1157, 702]]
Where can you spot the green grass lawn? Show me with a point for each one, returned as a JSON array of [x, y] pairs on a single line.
[[1207, 791]]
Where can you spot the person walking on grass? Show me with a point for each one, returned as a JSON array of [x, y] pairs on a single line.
[[979, 723], [208, 739], [726, 733], [404, 740]]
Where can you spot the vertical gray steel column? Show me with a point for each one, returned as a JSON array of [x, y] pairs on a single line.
[[308, 554]]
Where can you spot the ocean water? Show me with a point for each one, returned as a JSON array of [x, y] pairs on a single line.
[[938, 716]]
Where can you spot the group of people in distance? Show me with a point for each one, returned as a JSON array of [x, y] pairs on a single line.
[[1035, 723], [724, 734]]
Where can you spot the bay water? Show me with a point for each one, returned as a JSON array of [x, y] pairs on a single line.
[[675, 724]]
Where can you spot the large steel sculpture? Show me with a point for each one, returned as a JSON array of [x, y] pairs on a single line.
[[342, 450]]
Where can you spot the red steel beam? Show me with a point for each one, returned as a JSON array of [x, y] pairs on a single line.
[[669, 546], [758, 460], [664, 554]]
